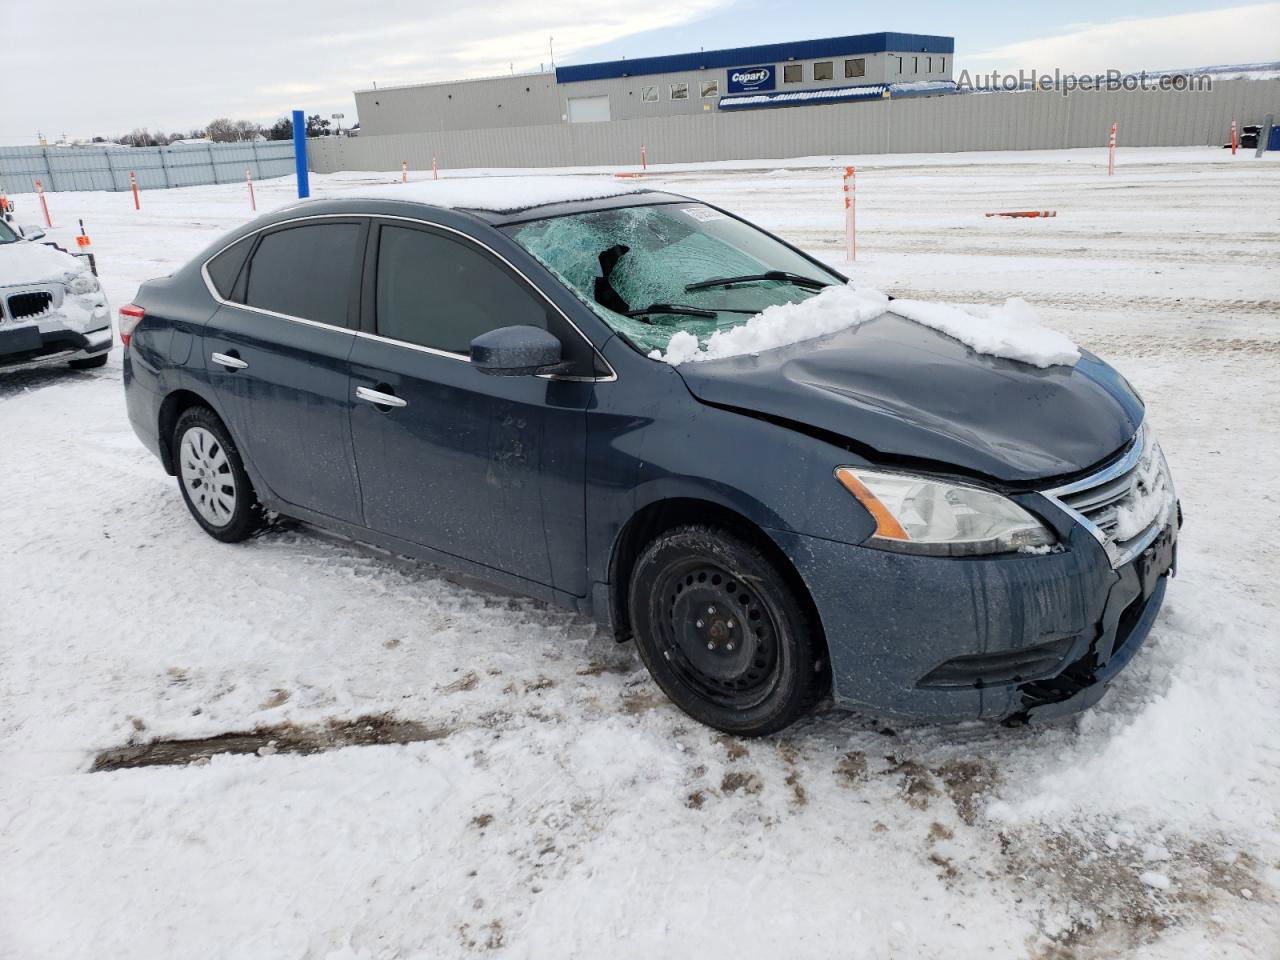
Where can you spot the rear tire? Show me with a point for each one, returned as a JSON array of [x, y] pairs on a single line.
[[212, 477], [723, 633], [88, 363]]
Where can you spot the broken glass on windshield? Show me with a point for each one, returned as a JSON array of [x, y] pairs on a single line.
[[630, 263]]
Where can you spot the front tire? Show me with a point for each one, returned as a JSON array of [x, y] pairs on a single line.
[[212, 477], [723, 633]]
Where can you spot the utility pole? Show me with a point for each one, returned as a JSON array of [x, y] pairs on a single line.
[[551, 45]]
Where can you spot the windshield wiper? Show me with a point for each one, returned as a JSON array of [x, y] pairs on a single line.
[[780, 275], [676, 309], [683, 310]]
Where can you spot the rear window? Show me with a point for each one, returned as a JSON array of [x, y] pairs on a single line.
[[307, 271], [224, 269]]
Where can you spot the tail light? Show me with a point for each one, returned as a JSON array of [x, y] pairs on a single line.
[[130, 316]]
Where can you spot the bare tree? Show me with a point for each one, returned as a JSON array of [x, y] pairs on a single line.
[[138, 137], [247, 130], [221, 130]]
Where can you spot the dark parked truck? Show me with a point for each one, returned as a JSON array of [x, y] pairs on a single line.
[[880, 513]]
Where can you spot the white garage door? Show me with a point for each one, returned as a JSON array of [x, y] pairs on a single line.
[[588, 109]]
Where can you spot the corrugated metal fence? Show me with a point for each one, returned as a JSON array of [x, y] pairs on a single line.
[[992, 121], [107, 168]]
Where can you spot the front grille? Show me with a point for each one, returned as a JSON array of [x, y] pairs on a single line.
[[1126, 504], [24, 305]]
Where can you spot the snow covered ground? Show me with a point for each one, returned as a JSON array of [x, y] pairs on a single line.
[[553, 804]]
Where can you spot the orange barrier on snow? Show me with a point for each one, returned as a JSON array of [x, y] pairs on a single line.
[[1024, 213], [44, 204], [850, 223]]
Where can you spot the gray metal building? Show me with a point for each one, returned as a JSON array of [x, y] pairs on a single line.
[[830, 70]]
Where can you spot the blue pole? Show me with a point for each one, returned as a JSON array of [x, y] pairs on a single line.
[[300, 153]]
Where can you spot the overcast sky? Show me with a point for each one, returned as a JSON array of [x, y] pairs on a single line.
[[107, 66]]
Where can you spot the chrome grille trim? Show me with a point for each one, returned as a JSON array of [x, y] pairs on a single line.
[[1093, 500]]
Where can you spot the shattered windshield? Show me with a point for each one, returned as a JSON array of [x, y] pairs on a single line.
[[650, 271]]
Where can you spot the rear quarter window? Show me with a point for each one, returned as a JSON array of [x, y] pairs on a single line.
[[224, 269], [307, 271]]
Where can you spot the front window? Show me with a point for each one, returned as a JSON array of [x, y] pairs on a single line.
[[855, 68], [823, 70], [793, 73], [710, 88], [679, 91], [651, 271], [649, 94]]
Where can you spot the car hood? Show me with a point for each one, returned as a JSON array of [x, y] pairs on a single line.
[[906, 391], [27, 262]]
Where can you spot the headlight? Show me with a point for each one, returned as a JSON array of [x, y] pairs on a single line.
[[82, 284], [915, 515]]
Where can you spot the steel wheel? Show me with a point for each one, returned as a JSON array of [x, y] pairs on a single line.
[[724, 632], [719, 638], [207, 476]]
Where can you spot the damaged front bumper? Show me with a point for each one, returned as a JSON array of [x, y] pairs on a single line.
[[52, 341], [1011, 637]]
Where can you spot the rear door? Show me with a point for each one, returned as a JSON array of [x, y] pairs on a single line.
[[276, 352], [486, 468]]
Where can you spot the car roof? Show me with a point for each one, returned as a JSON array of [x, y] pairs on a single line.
[[391, 206]]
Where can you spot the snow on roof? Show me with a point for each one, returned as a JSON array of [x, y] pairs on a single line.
[[1012, 331], [861, 92], [913, 87], [498, 194]]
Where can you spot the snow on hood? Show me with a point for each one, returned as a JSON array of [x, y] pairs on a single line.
[[26, 262], [498, 194], [1012, 331]]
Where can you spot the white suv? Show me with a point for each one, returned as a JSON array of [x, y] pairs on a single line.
[[52, 308]]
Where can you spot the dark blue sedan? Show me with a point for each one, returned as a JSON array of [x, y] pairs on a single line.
[[880, 514]]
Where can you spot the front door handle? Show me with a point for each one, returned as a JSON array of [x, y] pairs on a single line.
[[380, 399], [228, 360]]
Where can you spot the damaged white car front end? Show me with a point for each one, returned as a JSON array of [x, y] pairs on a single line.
[[52, 308]]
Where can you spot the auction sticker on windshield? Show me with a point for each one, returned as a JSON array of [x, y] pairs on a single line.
[[704, 214]]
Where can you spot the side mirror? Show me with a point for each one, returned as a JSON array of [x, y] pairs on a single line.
[[516, 352], [31, 232]]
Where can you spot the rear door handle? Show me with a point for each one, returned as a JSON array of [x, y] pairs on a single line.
[[378, 398], [228, 361]]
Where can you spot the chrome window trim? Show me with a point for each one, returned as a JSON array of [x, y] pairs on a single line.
[[1117, 555], [213, 292]]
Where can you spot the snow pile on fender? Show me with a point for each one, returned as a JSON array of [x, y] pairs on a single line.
[[498, 194], [1012, 330]]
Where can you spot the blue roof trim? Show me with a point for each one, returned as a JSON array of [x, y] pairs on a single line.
[[752, 56]]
